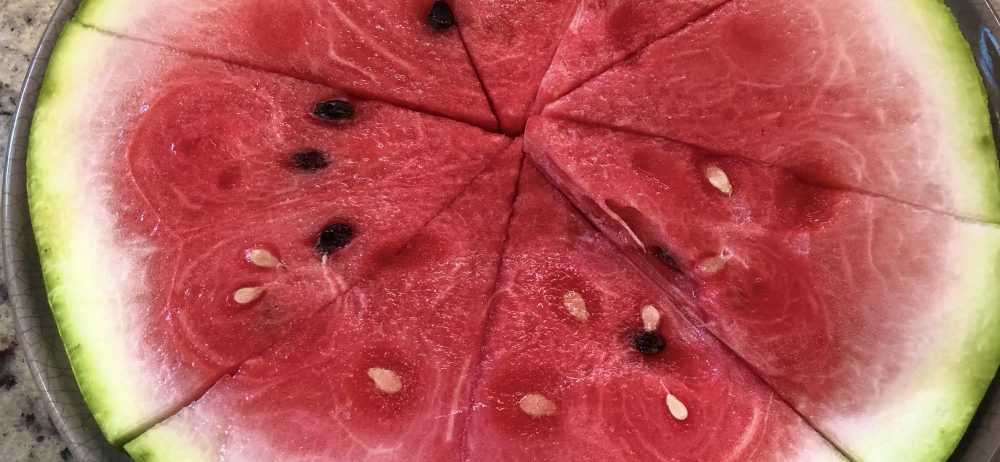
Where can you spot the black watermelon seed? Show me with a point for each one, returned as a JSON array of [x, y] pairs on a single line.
[[440, 16], [334, 237], [665, 257], [310, 161], [649, 343], [334, 109]]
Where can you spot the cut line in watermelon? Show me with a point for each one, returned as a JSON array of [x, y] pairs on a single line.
[[561, 379], [420, 316], [604, 33], [511, 44], [228, 249], [137, 240], [781, 82], [849, 306], [382, 51]]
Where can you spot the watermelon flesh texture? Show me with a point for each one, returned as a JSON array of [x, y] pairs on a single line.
[[511, 44], [150, 324], [157, 321], [374, 50], [606, 32], [864, 313], [609, 402], [897, 110], [313, 397]]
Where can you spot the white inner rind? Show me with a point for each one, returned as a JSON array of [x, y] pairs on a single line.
[[928, 408], [924, 34], [934, 404], [94, 278]]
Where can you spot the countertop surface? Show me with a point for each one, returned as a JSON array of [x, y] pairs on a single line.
[[26, 434]]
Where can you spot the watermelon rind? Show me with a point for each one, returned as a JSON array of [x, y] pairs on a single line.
[[923, 416], [163, 443], [956, 87], [930, 418], [93, 12], [87, 275]]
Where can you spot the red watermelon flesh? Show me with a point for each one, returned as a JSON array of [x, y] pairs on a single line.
[[605, 32], [793, 83], [848, 305], [511, 43], [601, 399], [373, 50], [223, 139], [417, 323]]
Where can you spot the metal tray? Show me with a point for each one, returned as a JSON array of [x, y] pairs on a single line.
[[44, 351]]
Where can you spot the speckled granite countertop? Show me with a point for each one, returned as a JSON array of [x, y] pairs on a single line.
[[26, 434]]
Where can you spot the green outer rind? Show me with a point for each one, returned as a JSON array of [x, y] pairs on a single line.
[[64, 229], [977, 148], [967, 346], [163, 444], [926, 417], [103, 12]]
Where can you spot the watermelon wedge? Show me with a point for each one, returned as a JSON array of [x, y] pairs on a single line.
[[878, 96], [864, 313], [383, 373], [208, 209], [605, 32], [511, 43], [371, 50], [561, 377]]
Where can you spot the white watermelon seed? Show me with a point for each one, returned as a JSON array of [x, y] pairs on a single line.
[[385, 380], [248, 295], [263, 258], [576, 306], [537, 405], [719, 179], [712, 265], [650, 318], [676, 407]]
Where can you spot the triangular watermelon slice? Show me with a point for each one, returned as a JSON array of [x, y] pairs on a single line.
[[185, 230], [511, 43], [898, 110], [562, 379], [384, 373], [864, 313], [605, 32], [384, 51]]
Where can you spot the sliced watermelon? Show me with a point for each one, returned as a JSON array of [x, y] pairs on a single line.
[[878, 96], [373, 50], [605, 32], [383, 373], [864, 313], [182, 231], [562, 379], [511, 43]]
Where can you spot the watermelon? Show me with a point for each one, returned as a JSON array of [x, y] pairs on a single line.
[[561, 378], [605, 32], [297, 231], [371, 50], [897, 110], [383, 373], [511, 44], [864, 313], [208, 208]]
